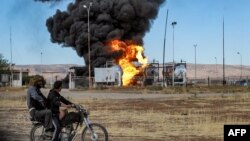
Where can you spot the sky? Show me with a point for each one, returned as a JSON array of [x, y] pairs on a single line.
[[199, 22]]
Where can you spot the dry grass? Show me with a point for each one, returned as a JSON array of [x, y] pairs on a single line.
[[195, 89], [193, 119], [179, 119], [13, 103]]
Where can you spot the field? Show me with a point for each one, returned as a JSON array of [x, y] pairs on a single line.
[[145, 117]]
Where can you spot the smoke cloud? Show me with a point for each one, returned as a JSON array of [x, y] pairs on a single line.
[[109, 19]]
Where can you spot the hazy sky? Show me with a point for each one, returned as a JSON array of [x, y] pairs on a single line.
[[198, 22]]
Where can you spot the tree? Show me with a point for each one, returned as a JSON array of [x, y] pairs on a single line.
[[4, 65]]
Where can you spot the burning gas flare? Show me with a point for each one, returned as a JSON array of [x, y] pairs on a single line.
[[132, 53]]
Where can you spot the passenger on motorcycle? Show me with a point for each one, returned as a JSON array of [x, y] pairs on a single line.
[[58, 104], [37, 102]]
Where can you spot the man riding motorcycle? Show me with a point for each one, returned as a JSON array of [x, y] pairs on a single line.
[[37, 102], [58, 104]]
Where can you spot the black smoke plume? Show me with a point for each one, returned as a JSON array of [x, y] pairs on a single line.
[[109, 19]]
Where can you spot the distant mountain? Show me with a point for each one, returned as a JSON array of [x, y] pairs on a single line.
[[215, 71]]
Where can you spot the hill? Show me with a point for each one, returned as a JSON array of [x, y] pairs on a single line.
[[215, 71]]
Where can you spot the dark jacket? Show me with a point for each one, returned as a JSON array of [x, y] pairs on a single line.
[[54, 101], [35, 99]]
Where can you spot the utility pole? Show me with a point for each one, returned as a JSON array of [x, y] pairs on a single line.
[[224, 80], [216, 66], [41, 56], [41, 73], [11, 65], [240, 65], [88, 10], [173, 24], [163, 62], [195, 62]]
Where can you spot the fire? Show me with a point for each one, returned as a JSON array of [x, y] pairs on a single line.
[[131, 53]]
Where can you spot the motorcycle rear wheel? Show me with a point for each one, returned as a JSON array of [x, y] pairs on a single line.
[[37, 133]]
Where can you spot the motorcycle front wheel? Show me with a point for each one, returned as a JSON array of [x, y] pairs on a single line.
[[98, 133], [37, 133]]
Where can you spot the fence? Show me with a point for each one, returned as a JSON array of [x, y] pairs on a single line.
[[81, 82], [230, 80]]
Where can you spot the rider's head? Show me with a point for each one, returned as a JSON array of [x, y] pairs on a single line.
[[38, 81], [57, 86]]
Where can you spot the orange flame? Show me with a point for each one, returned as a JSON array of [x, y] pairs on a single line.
[[131, 53]]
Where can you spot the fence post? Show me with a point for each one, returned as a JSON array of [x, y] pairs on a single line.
[[208, 81]]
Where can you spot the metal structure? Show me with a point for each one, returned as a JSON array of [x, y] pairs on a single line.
[[151, 73], [155, 74], [180, 70], [108, 76]]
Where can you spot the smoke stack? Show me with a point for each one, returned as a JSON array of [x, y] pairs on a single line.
[[109, 20]]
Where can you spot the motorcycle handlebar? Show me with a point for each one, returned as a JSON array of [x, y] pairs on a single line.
[[80, 108]]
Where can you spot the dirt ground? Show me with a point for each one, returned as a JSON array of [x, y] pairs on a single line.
[[140, 117]]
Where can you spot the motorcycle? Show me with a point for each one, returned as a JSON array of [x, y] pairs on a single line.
[[91, 131]]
